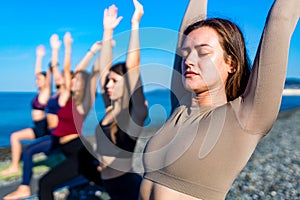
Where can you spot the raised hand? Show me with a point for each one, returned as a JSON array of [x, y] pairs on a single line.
[[40, 51], [110, 19], [96, 47], [68, 39], [138, 12], [55, 43]]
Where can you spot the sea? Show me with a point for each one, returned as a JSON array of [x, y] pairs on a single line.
[[15, 111]]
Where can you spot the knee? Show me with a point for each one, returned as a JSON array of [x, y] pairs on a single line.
[[14, 137]]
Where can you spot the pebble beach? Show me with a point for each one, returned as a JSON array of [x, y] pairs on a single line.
[[272, 173]]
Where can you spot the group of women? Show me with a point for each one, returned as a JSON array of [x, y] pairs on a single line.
[[222, 107]]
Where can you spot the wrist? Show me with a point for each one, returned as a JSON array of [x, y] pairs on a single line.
[[135, 23], [91, 51]]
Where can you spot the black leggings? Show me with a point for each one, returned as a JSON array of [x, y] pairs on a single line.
[[79, 161], [125, 187]]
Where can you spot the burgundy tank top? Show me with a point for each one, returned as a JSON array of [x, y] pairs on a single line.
[[70, 121], [36, 104]]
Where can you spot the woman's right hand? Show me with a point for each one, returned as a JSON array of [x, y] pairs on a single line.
[[55, 42], [68, 39], [40, 51], [138, 12], [110, 19]]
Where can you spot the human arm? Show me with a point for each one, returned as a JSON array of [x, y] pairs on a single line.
[[259, 105], [66, 88], [110, 22], [196, 10], [45, 91], [131, 110], [55, 44], [88, 56], [91, 84], [132, 78], [40, 53]]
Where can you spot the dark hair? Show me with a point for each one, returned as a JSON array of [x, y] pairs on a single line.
[[119, 68], [233, 43], [43, 73], [85, 83]]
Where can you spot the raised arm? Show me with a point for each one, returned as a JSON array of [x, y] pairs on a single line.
[[195, 10], [40, 53], [66, 87], [133, 54], [132, 80], [55, 44], [90, 94], [261, 101], [82, 65], [45, 92], [67, 59], [110, 22]]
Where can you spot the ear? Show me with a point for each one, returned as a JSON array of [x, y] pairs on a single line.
[[231, 65]]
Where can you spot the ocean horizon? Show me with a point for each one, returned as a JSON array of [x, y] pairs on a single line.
[[15, 111]]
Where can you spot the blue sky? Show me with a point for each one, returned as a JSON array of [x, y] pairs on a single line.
[[26, 24]]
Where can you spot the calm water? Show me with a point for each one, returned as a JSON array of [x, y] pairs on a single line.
[[15, 111]]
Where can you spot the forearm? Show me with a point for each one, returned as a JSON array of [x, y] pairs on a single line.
[[105, 60], [54, 57], [38, 65], [133, 55], [85, 61], [195, 11]]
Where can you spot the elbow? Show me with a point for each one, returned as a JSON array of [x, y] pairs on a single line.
[[142, 113]]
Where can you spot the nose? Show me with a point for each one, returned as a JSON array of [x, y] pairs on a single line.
[[109, 84], [190, 60]]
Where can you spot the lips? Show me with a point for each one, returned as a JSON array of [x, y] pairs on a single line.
[[189, 74]]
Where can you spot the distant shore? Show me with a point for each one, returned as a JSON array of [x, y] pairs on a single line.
[[290, 92], [273, 171]]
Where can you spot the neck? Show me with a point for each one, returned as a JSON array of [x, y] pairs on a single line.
[[213, 98]]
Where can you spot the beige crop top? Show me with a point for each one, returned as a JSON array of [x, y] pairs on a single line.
[[201, 150]]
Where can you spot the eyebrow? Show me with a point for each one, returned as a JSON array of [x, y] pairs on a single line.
[[196, 47], [202, 45]]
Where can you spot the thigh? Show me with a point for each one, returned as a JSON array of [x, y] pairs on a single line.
[[24, 134], [38, 146], [41, 128], [125, 187], [88, 166], [65, 171]]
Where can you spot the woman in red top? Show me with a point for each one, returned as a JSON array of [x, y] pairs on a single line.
[[75, 100]]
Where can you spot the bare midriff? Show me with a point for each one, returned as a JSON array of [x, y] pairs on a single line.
[[37, 115], [68, 138], [151, 191], [52, 120]]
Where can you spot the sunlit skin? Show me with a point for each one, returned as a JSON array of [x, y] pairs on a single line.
[[204, 73], [42, 85], [204, 68], [114, 86], [40, 81], [76, 83]]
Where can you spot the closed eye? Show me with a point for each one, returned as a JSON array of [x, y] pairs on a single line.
[[202, 50], [184, 52]]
